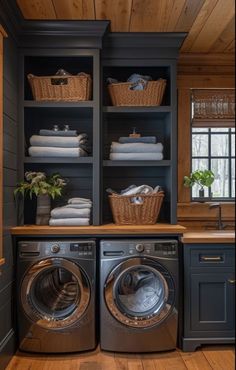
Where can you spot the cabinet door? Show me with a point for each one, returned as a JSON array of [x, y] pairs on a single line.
[[212, 301]]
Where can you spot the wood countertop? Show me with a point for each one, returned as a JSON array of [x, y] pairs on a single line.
[[211, 236], [108, 229], [2, 261]]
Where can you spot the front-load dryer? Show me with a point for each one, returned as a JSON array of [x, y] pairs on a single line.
[[138, 295], [56, 295]]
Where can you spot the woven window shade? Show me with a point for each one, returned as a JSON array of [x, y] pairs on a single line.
[[213, 108]]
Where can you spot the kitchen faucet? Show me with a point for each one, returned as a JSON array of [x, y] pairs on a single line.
[[220, 224]]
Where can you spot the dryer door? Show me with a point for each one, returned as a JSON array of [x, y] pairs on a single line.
[[139, 292], [55, 293]]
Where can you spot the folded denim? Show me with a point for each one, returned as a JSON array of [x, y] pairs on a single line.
[[143, 139], [45, 132], [136, 148], [139, 82], [136, 156], [37, 151], [64, 212], [69, 222], [79, 200]]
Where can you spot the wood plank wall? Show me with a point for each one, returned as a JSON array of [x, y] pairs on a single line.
[[7, 332], [199, 71]]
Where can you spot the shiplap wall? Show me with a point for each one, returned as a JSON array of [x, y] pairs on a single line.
[[7, 332]]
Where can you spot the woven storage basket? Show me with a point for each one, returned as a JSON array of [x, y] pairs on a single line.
[[67, 88], [125, 212], [152, 95]]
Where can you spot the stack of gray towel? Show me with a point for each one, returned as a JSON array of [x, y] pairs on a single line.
[[136, 148], [75, 213], [50, 143]]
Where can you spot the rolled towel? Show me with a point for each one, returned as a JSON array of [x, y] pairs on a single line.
[[63, 212], [45, 132], [79, 200], [136, 148], [142, 139], [55, 141], [136, 156], [69, 222], [79, 206], [37, 151]]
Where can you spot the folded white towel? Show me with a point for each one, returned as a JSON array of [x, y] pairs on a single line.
[[64, 212], [37, 151], [55, 141], [136, 148], [79, 206], [136, 156], [79, 201], [69, 222]]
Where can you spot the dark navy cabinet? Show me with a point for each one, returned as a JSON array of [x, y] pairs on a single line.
[[209, 294]]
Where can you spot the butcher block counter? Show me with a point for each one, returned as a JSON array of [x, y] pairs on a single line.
[[108, 229], [209, 237]]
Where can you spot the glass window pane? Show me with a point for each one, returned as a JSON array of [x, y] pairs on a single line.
[[220, 187], [223, 129], [233, 177], [199, 145], [233, 145], [232, 129], [199, 164], [220, 145], [200, 129]]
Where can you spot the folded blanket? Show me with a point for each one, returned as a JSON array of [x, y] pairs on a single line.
[[136, 148], [37, 151], [143, 139], [136, 156], [63, 212], [55, 141], [69, 222], [79, 201], [45, 132], [79, 206]]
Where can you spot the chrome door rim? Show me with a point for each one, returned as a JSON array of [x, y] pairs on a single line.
[[110, 299], [48, 322]]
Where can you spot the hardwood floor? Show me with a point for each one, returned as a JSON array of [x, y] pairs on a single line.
[[206, 358]]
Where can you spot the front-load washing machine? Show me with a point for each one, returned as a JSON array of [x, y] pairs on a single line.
[[56, 295], [138, 295]]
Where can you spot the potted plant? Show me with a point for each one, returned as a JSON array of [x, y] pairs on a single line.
[[201, 178], [44, 188]]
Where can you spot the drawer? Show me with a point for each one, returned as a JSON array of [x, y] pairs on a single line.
[[212, 257]]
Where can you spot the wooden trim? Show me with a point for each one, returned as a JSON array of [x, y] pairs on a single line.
[[2, 261], [202, 211], [2, 35], [212, 59], [209, 237], [230, 122], [205, 81], [109, 229]]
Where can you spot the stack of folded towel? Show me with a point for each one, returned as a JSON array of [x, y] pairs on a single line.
[[136, 148], [75, 213], [50, 143]]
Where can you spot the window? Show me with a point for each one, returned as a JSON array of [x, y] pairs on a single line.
[[213, 141]]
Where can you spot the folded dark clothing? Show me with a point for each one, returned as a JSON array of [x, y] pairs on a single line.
[[45, 132], [142, 139]]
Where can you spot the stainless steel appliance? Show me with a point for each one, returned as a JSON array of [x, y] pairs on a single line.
[[138, 295], [56, 295]]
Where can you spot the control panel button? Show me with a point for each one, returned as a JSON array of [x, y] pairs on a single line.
[[55, 248], [139, 248]]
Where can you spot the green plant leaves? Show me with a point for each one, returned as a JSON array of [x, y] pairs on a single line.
[[199, 177]]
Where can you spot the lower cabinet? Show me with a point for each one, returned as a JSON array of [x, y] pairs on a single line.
[[209, 295]]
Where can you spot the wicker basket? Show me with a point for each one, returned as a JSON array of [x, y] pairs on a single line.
[[152, 95], [125, 212], [67, 88]]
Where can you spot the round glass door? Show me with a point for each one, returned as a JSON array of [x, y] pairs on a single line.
[[137, 292], [55, 293]]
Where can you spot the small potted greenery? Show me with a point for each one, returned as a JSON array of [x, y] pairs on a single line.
[[201, 178], [44, 188]]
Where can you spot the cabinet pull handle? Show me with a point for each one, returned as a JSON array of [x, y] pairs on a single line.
[[217, 258], [231, 281]]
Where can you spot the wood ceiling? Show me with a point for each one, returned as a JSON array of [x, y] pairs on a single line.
[[210, 23]]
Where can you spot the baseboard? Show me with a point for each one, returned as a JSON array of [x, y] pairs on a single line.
[[7, 349]]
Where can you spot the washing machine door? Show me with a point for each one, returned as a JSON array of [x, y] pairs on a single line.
[[139, 292], [55, 293]]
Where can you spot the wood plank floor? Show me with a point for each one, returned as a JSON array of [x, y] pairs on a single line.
[[206, 358]]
